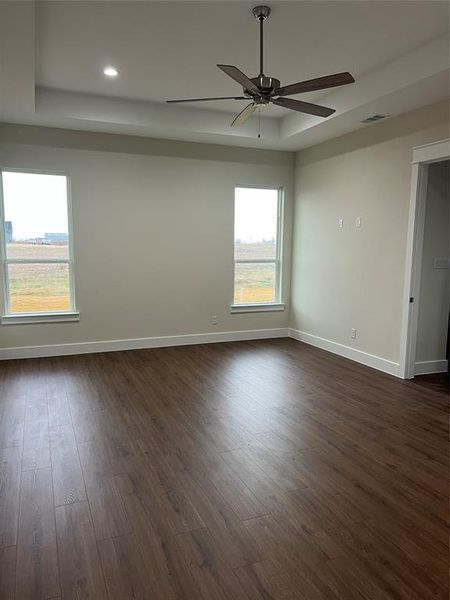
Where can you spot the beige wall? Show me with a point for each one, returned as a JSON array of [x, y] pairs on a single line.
[[353, 278], [153, 232], [175, 200], [434, 283]]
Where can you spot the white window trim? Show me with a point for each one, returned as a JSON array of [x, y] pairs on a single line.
[[10, 318], [253, 308], [29, 318], [278, 305]]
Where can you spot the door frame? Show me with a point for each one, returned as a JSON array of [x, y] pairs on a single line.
[[423, 156]]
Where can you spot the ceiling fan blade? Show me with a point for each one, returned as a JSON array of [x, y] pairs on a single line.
[[244, 114], [239, 77], [209, 99], [320, 83], [304, 107]]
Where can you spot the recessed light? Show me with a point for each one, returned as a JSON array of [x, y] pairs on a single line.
[[110, 71]]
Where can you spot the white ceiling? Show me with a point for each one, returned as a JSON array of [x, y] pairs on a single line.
[[169, 49]]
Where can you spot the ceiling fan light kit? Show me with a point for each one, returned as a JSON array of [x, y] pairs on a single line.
[[263, 90]]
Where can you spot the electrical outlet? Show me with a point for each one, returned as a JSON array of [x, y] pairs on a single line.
[[214, 320], [341, 223], [353, 334]]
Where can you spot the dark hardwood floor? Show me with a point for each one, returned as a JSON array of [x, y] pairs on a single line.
[[438, 382], [252, 470]]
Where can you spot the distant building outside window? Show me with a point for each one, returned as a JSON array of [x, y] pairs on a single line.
[[8, 232]]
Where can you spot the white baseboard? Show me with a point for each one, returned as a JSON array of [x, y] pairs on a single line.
[[370, 360], [428, 367], [364, 358], [140, 343]]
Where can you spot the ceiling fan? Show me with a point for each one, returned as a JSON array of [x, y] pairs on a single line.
[[263, 90]]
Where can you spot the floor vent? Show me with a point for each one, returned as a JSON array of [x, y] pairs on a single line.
[[374, 118]]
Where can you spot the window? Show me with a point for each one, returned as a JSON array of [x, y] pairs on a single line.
[[36, 245], [257, 247]]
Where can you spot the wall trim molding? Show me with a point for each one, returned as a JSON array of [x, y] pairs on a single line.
[[428, 367], [427, 153], [369, 360], [141, 343]]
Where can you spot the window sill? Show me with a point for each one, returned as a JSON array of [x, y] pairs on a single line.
[[28, 318], [252, 308]]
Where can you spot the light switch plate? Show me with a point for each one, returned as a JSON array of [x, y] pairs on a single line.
[[358, 222]]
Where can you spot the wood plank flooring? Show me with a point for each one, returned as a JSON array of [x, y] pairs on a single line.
[[251, 470]]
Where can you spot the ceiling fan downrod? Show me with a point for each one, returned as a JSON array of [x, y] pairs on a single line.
[[265, 84], [261, 13]]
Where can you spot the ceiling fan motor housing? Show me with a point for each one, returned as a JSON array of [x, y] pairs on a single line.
[[265, 84]]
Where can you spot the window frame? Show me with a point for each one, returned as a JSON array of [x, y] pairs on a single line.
[[277, 304], [9, 317]]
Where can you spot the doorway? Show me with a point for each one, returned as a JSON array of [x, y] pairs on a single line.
[[424, 347]]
